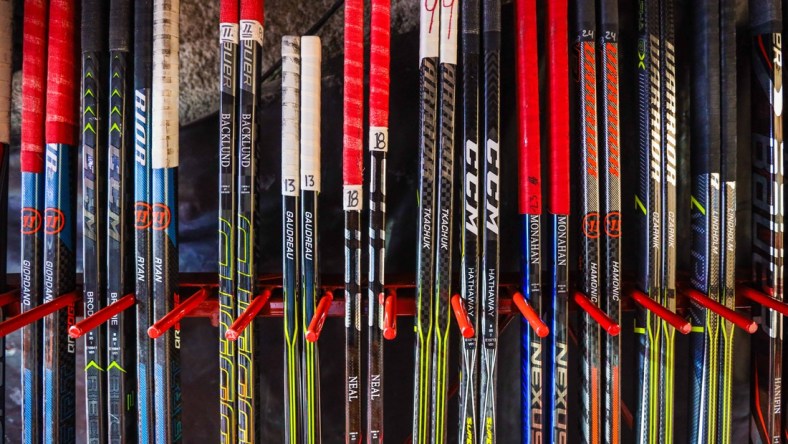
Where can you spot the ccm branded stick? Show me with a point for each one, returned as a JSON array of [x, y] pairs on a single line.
[[491, 55], [610, 181], [379, 61], [352, 203], [705, 213], [59, 225], [447, 73], [767, 215], [143, 60], [558, 135], [228, 53], [469, 254], [34, 66], [728, 116], [587, 145], [667, 78], [291, 256], [532, 347], [429, 42], [251, 42], [6, 14], [120, 330], [648, 201], [94, 204], [164, 209], [311, 57]]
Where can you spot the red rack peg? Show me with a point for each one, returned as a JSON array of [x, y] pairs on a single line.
[[390, 315], [528, 312], [37, 313], [738, 320], [257, 304], [173, 317], [321, 313], [680, 324], [610, 326], [763, 299], [101, 316], [461, 315], [9, 297]]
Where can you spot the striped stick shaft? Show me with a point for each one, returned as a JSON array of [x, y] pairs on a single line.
[[353, 425], [766, 23], [585, 96], [469, 350], [228, 53], [610, 178], [164, 191], [291, 257], [311, 56], [378, 147], [143, 59]]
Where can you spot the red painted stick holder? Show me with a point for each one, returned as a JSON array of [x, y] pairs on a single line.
[[461, 315], [179, 312], [737, 319], [39, 312], [389, 314], [528, 312], [319, 318], [604, 321], [763, 299], [9, 297], [679, 323], [105, 314], [245, 318]]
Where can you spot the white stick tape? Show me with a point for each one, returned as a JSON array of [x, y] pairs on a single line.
[[448, 39], [164, 109], [291, 114], [310, 113]]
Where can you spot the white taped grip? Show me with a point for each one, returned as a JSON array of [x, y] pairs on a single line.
[[448, 39], [228, 32], [291, 114], [429, 28], [310, 113], [252, 30], [164, 109], [6, 13]]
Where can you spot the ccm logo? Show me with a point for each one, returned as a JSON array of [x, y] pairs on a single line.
[[161, 217], [31, 220], [54, 220], [591, 225], [142, 219]]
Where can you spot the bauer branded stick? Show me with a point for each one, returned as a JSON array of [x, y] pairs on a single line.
[[728, 106], [379, 60], [251, 39], [767, 214], [558, 124], [447, 72], [6, 14], [120, 330], [311, 57], [352, 203], [611, 181], [34, 65], [705, 214], [585, 100], [291, 257], [228, 50], [94, 204], [648, 201], [610, 178], [491, 49], [59, 224], [164, 208], [469, 349], [143, 58], [667, 64], [532, 347], [429, 42]]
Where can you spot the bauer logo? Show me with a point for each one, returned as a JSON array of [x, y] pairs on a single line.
[[54, 220], [142, 216], [161, 217], [31, 220]]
